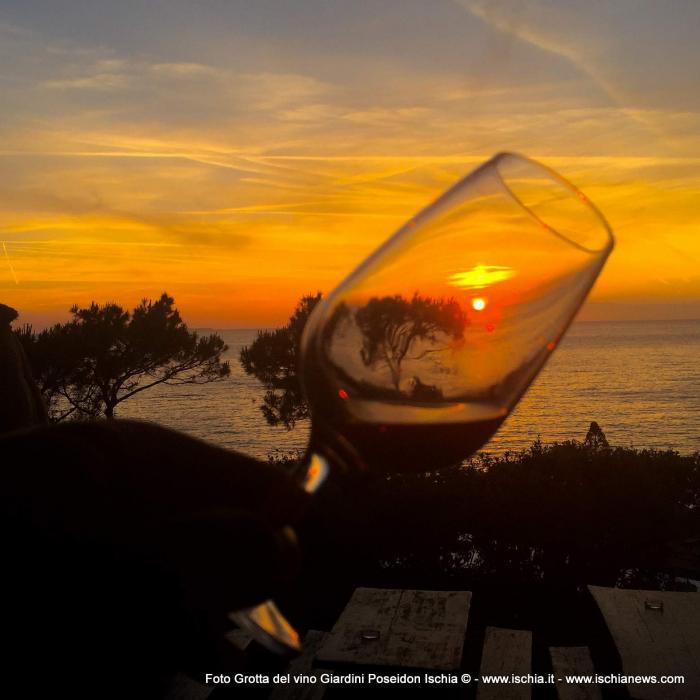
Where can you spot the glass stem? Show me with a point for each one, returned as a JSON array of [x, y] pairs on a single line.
[[265, 623]]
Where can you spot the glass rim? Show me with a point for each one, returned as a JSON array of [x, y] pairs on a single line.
[[585, 201]]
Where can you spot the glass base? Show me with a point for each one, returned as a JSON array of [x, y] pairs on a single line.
[[268, 627]]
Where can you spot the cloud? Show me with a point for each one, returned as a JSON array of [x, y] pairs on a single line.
[[8, 30], [98, 81], [271, 91], [116, 73], [184, 70]]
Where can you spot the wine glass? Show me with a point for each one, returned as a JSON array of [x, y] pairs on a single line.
[[414, 361]]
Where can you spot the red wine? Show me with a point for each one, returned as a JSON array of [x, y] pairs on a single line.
[[393, 438]]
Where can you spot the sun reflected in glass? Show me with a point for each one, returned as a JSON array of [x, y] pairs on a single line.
[[481, 276]]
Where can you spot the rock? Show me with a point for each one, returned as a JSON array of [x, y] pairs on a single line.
[[7, 315]]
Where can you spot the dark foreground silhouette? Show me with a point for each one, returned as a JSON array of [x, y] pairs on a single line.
[[20, 401], [124, 545]]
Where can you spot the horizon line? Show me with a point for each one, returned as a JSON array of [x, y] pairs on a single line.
[[599, 320]]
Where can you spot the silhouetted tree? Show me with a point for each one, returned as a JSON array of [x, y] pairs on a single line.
[[105, 355], [272, 358], [595, 438], [391, 326]]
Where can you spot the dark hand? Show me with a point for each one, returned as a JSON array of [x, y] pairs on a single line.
[[125, 545]]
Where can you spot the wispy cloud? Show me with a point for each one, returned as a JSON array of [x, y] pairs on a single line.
[[98, 81], [272, 91], [184, 70], [117, 73]]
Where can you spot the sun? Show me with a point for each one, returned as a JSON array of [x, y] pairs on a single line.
[[478, 303]]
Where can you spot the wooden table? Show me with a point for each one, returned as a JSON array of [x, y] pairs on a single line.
[[403, 628], [656, 633]]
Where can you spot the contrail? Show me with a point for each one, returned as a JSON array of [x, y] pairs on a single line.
[[506, 24], [9, 262]]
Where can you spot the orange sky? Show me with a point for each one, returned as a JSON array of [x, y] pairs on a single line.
[[239, 160]]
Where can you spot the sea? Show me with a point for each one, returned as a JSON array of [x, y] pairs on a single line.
[[639, 380]]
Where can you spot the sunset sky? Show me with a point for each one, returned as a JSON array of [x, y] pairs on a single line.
[[241, 154]]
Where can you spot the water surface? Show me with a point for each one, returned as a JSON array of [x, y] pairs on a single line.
[[639, 380]]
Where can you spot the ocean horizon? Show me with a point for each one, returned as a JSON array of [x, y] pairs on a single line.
[[639, 380]]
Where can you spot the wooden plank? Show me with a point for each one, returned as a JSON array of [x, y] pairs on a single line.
[[506, 653], [573, 661], [428, 630], [368, 609], [656, 633], [413, 629]]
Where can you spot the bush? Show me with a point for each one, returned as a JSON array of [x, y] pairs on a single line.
[[564, 513]]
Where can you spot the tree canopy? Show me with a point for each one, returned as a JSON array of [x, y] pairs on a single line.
[[392, 325], [105, 355], [272, 358]]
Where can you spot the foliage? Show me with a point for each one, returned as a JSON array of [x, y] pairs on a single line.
[[565, 510], [391, 325], [560, 514], [595, 438], [105, 355], [286, 459], [272, 358]]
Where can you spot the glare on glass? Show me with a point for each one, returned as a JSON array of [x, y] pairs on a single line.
[[414, 361]]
